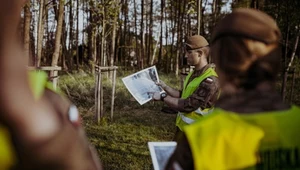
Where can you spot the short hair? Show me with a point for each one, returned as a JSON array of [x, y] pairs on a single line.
[[205, 50]]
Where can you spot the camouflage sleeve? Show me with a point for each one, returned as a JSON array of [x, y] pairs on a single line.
[[182, 157], [205, 96]]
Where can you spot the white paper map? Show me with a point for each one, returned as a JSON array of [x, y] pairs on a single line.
[[160, 153], [142, 85]]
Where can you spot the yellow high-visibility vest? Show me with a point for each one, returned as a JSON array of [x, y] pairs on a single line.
[[38, 81], [7, 154], [225, 140], [188, 89]]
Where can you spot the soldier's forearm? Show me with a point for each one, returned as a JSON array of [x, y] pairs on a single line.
[[172, 92], [178, 104], [173, 102]]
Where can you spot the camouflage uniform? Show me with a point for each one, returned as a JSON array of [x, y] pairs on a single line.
[[205, 96], [201, 87], [250, 89]]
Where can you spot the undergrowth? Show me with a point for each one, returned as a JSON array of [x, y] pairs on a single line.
[[121, 142]]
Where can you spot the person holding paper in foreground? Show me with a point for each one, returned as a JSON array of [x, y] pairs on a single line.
[[251, 127], [201, 87], [39, 129]]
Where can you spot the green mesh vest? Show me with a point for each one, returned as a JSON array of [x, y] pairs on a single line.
[[188, 89]]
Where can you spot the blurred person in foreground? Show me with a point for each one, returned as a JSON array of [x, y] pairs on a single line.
[[39, 129], [200, 90], [251, 127]]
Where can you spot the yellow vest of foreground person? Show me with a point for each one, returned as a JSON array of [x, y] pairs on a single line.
[[188, 89], [225, 140], [38, 82], [7, 155]]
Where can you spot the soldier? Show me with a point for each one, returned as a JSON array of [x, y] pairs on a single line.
[[250, 127], [39, 129], [201, 87]]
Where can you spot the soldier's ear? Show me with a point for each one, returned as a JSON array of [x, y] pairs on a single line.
[[200, 52]]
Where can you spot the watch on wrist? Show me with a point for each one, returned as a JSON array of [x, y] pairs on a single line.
[[163, 95]]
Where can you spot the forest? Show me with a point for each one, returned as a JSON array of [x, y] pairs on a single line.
[[81, 35], [135, 33]]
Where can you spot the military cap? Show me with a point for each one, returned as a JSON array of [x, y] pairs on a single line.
[[248, 23], [195, 42]]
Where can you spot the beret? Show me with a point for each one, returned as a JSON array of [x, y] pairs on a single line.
[[195, 42], [249, 23]]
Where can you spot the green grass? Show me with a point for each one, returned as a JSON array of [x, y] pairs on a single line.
[[121, 143]]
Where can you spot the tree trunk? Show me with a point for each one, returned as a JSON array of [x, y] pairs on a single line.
[[58, 34], [162, 5], [285, 74], [103, 58], [33, 42], [70, 45], [40, 34], [141, 57], [27, 19], [113, 42], [77, 35], [202, 31], [188, 29], [173, 26], [113, 37], [92, 34], [294, 52], [286, 47], [150, 42], [85, 51], [167, 68], [48, 48], [287, 36], [64, 49], [146, 33], [179, 37], [215, 12], [122, 48], [199, 16], [137, 54]]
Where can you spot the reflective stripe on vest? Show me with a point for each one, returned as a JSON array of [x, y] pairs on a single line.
[[205, 111], [187, 120], [188, 89]]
